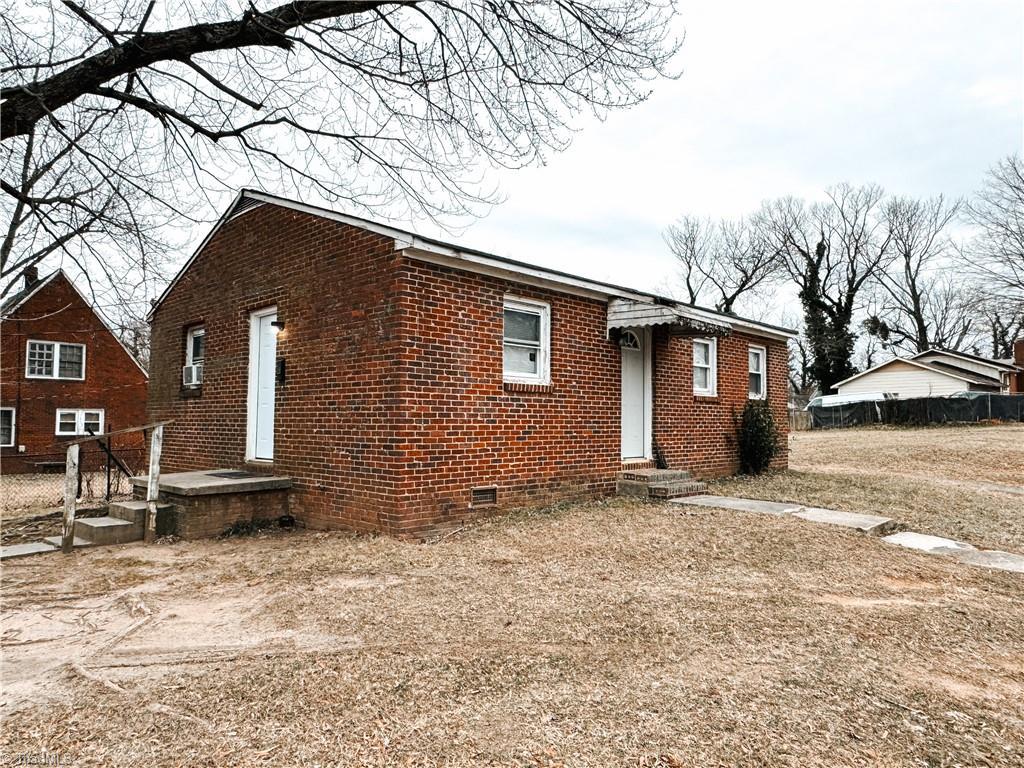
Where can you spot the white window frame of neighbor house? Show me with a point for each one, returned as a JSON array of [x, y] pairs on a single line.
[[712, 367], [763, 373], [542, 345], [79, 421], [13, 418], [56, 353]]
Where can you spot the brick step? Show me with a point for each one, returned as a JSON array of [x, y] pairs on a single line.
[[108, 530], [665, 489], [676, 489], [654, 475]]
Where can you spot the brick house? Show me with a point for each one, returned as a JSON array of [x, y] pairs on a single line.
[[63, 373], [403, 383]]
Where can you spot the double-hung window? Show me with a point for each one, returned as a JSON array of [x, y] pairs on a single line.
[[705, 367], [6, 427], [195, 355], [55, 360], [79, 421], [757, 357], [527, 341]]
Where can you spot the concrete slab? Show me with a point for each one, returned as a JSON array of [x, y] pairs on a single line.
[[78, 542], [926, 543], [744, 505], [875, 525], [24, 550], [992, 558], [206, 483]]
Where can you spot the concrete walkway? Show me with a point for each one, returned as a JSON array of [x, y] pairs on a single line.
[[871, 524]]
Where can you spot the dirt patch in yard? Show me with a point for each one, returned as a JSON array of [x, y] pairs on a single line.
[[603, 634], [935, 480]]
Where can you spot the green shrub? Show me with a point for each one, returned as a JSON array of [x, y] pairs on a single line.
[[758, 437]]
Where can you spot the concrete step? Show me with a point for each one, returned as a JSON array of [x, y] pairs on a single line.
[[108, 530], [12, 551], [78, 541], [653, 475], [676, 489]]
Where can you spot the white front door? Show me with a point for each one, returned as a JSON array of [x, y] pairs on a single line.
[[635, 394], [262, 363]]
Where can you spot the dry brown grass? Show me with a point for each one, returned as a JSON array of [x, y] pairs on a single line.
[[937, 480], [606, 634]]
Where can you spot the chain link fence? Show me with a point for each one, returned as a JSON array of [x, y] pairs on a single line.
[[32, 500], [966, 408]]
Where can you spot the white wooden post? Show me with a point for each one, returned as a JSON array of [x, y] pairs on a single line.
[[153, 488], [70, 493]]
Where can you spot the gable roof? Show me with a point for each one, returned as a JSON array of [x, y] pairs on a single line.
[[471, 259], [970, 378], [967, 356], [16, 301]]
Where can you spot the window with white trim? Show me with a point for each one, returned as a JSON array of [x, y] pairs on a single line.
[[72, 422], [6, 427], [54, 360], [526, 341], [757, 386], [705, 367], [195, 349]]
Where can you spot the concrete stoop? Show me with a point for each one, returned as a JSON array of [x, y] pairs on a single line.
[[662, 484]]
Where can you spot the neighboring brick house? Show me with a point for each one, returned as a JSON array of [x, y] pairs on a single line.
[[63, 372], [404, 383]]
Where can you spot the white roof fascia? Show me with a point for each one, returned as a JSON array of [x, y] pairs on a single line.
[[537, 277], [425, 250], [540, 277]]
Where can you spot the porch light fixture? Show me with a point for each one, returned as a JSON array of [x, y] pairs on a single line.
[[278, 325]]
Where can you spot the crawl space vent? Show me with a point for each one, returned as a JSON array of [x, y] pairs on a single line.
[[483, 497]]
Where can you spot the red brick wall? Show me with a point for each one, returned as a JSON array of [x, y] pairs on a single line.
[[332, 285], [696, 432], [394, 407], [112, 382], [464, 428], [1017, 379]]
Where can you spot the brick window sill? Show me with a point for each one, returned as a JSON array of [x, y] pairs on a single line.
[[521, 386], [186, 393], [705, 398]]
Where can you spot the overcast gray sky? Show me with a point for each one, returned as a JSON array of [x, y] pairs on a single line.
[[775, 98]]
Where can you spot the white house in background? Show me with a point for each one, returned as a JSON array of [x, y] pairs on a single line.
[[933, 373]]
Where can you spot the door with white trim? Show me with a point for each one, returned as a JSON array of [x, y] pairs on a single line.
[[262, 384], [635, 394]]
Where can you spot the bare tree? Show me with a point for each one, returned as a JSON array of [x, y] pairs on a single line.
[[922, 305], [722, 261], [1003, 322], [831, 250], [117, 120], [998, 212]]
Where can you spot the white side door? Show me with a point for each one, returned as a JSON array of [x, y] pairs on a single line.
[[634, 394], [262, 381]]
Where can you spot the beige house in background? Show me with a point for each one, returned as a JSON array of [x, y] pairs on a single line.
[[934, 373]]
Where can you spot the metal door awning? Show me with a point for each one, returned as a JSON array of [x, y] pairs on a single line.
[[681, 319]]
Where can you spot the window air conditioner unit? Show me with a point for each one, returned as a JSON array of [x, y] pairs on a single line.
[[192, 375]]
